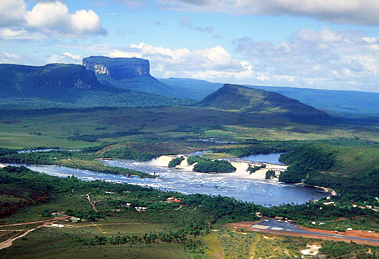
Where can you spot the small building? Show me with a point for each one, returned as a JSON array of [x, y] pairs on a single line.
[[57, 225], [139, 209], [74, 219]]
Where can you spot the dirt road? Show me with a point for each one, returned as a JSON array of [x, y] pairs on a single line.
[[9, 241]]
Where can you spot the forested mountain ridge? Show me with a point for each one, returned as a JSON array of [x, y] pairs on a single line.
[[21, 79], [68, 86], [248, 100]]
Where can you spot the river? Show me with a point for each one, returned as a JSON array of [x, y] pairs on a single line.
[[240, 185]]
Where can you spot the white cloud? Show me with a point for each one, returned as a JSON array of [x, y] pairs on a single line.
[[12, 12], [55, 18], [363, 12], [182, 60], [87, 22], [22, 34], [47, 17], [66, 58], [8, 58], [319, 59], [323, 59], [325, 36], [213, 64]]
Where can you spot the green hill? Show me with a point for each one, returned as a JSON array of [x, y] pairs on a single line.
[[247, 100], [337, 102]]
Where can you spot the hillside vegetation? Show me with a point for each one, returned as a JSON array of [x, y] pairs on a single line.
[[247, 100], [67, 86], [342, 103], [352, 171]]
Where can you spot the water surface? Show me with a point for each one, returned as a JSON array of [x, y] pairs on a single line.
[[259, 191]]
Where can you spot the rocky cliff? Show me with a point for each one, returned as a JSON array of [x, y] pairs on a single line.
[[118, 68]]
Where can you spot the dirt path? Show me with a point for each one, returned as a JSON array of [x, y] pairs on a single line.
[[47, 221], [7, 243], [93, 203]]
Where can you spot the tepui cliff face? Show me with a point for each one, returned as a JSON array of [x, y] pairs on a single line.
[[118, 68]]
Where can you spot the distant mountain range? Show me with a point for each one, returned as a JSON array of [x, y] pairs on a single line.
[[126, 82], [68, 86], [332, 101]]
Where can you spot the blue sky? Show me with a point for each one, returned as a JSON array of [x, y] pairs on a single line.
[[322, 44]]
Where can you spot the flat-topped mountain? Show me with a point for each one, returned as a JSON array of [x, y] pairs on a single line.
[[132, 73], [248, 100], [118, 68]]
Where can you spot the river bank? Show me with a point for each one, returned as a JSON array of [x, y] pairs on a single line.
[[240, 185]]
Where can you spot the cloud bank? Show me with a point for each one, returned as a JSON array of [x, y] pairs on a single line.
[[321, 59], [338, 11], [46, 19]]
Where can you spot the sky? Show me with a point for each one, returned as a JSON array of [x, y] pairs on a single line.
[[320, 44]]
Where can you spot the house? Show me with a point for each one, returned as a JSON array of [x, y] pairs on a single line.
[[172, 199]]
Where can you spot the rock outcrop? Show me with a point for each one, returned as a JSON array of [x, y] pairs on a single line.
[[118, 68]]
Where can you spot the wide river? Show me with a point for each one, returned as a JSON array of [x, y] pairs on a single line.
[[240, 185]]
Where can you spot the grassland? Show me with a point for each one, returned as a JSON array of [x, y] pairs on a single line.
[[243, 243], [164, 130], [69, 243], [73, 129], [80, 240]]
